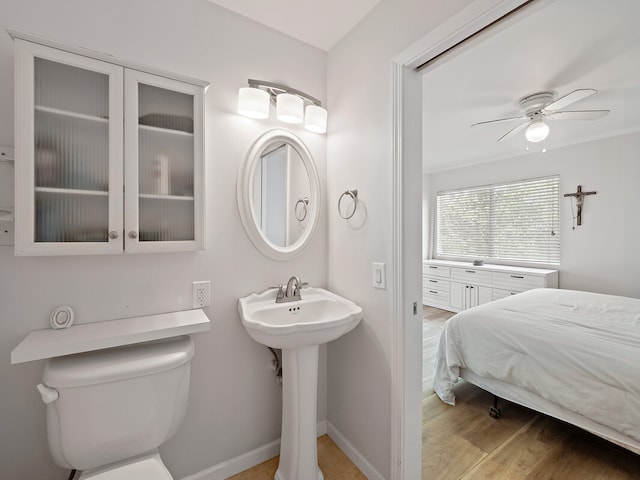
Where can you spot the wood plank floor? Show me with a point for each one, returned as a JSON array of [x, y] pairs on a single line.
[[334, 465], [465, 443]]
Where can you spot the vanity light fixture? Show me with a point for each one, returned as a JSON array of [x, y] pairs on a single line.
[[253, 102], [537, 131]]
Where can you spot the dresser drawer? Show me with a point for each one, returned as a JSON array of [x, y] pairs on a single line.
[[472, 276], [518, 282], [497, 294], [435, 283], [436, 271], [436, 296]]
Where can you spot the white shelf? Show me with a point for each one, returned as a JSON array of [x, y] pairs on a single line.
[[49, 343], [72, 191], [67, 113], [170, 131], [154, 196]]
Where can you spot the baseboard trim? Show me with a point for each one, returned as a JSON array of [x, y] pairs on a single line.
[[243, 462], [354, 455]]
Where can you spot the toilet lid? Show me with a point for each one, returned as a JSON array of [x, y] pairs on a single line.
[[143, 468]]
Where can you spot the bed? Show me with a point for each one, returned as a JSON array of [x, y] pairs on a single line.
[[568, 354]]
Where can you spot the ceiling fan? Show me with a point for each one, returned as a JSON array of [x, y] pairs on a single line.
[[540, 106]]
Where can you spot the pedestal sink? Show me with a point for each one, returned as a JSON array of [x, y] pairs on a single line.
[[298, 328]]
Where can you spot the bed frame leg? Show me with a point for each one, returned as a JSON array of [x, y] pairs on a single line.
[[495, 411]]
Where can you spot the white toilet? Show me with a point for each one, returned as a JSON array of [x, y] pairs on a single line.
[[109, 410]]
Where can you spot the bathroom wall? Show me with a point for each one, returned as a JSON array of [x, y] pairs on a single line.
[[359, 156], [235, 403], [602, 254]]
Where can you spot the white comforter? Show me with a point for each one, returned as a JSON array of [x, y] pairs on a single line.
[[576, 349]]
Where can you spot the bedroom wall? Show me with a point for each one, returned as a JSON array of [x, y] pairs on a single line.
[[602, 254], [235, 402]]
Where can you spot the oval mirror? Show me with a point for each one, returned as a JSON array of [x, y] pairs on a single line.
[[279, 194]]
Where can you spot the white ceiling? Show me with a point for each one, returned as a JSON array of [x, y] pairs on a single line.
[[552, 45], [320, 23], [556, 46]]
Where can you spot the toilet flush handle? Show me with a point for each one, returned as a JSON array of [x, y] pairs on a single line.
[[49, 394]]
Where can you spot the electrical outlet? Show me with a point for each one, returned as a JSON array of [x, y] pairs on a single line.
[[201, 292]]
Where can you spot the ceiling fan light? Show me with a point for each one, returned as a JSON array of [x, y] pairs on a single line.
[[537, 132], [289, 108], [315, 119], [253, 103]]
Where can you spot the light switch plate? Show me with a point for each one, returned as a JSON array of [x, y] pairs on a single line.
[[379, 275]]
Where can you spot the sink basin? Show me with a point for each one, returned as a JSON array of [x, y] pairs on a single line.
[[319, 317]]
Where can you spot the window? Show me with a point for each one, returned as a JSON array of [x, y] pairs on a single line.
[[513, 222]]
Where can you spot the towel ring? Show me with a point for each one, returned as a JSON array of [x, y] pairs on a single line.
[[305, 202], [354, 196]]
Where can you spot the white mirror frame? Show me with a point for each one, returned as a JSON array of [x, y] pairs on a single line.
[[245, 187]]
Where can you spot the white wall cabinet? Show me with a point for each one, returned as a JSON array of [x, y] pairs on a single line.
[[109, 158], [456, 286]]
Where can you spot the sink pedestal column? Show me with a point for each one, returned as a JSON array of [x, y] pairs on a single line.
[[298, 447]]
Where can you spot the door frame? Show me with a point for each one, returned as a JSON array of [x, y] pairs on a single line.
[[406, 385]]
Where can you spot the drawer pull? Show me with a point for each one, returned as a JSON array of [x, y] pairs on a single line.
[[431, 266], [433, 281], [470, 271], [517, 276], [432, 291]]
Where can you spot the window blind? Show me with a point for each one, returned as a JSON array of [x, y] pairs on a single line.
[[512, 222]]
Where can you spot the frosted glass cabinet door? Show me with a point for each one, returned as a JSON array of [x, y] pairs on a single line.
[[163, 164], [69, 140]]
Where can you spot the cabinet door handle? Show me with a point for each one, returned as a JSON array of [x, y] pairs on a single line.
[[133, 234], [113, 234], [517, 276], [470, 271]]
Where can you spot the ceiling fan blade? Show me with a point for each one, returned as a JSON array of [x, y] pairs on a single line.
[[514, 130], [578, 115], [569, 98], [499, 120]]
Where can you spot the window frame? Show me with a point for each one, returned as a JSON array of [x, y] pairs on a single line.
[[555, 224]]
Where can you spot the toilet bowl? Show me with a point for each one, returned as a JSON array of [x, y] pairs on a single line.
[[109, 410]]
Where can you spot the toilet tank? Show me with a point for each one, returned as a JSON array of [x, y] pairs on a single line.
[[116, 403]]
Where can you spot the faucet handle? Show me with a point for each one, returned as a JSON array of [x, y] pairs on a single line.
[[280, 294]]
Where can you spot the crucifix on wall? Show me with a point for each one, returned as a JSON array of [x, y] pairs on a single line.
[[579, 196]]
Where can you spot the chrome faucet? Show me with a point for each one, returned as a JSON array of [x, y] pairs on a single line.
[[292, 291]]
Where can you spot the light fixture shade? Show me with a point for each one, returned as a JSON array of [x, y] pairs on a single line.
[[289, 108], [315, 119], [537, 132], [253, 103]]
